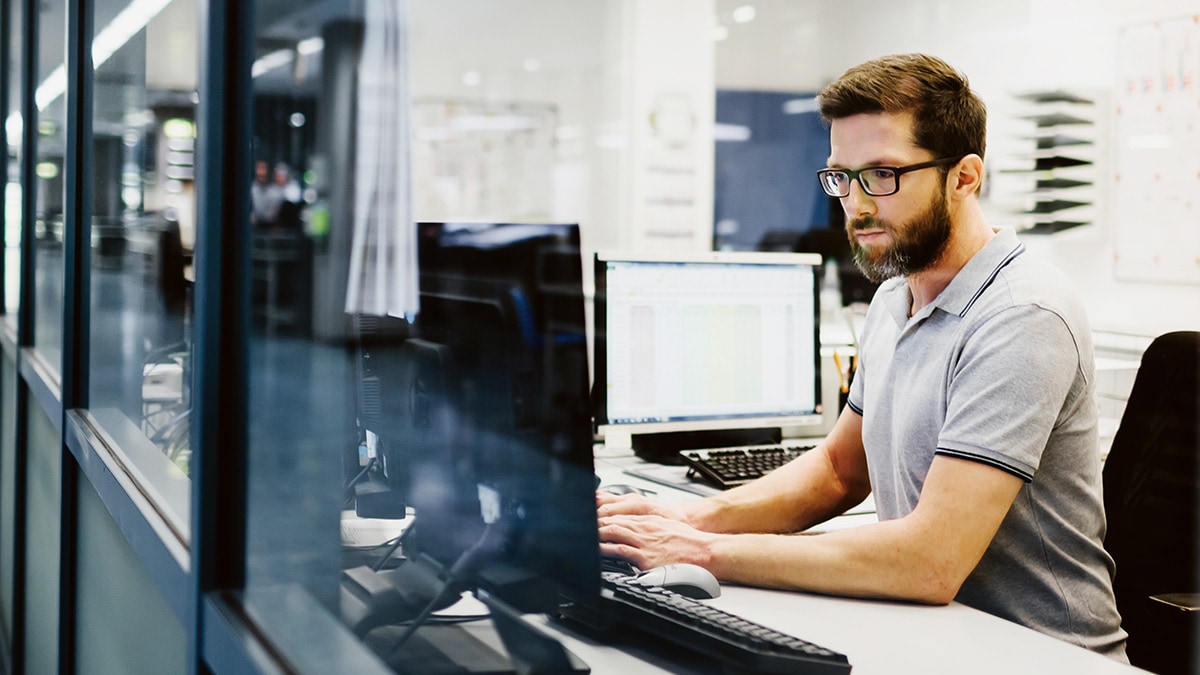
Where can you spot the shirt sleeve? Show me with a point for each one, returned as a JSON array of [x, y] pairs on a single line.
[[1008, 388]]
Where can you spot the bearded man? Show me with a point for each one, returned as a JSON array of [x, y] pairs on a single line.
[[971, 418]]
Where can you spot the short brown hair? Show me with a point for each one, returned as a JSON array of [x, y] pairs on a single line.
[[949, 119]]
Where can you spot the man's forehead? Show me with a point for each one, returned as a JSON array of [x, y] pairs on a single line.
[[871, 138]]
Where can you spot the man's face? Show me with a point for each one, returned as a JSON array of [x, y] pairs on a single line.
[[898, 234]]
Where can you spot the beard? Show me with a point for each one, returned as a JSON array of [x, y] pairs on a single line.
[[917, 244]]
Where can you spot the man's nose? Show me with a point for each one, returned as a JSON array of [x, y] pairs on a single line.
[[858, 203]]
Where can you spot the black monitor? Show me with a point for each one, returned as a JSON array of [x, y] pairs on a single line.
[[487, 430], [705, 349]]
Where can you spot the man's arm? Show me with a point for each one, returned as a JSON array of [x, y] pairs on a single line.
[[924, 556], [816, 486]]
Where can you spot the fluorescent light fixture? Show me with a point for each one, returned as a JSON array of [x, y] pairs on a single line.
[[744, 14], [310, 46], [178, 127], [112, 37], [472, 78], [798, 106], [736, 133], [13, 127], [51, 88], [136, 15], [720, 33], [531, 65], [270, 61], [46, 170]]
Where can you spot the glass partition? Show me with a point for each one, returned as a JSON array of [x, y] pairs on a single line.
[[49, 191], [14, 51], [143, 222], [368, 119]]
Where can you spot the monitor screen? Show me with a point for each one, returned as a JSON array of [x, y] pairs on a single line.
[[706, 341], [496, 449]]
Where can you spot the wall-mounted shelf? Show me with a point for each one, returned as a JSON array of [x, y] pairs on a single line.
[[1045, 177]]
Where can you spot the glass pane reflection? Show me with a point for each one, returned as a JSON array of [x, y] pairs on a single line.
[[49, 187], [12, 191], [494, 148], [143, 222]]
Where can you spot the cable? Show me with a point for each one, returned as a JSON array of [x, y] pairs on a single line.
[[392, 546], [465, 564]]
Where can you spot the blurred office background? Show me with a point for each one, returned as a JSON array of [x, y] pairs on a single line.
[[653, 124]]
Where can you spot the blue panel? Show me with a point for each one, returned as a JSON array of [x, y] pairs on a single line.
[[8, 488], [124, 626], [43, 491], [768, 182]]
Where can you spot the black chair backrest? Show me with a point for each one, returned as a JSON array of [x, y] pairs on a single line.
[[1151, 496]]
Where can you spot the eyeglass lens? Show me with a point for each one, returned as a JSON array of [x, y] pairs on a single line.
[[875, 181]]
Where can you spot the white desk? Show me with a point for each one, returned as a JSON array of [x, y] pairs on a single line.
[[878, 637]]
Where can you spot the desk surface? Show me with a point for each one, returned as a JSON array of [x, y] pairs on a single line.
[[877, 636]]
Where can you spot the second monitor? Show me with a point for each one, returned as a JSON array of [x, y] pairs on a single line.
[[705, 349]]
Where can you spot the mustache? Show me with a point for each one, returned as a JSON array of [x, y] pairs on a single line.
[[864, 223]]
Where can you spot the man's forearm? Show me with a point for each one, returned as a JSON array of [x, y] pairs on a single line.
[[803, 493]]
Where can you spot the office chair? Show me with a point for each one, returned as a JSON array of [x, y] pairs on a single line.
[[1151, 496]]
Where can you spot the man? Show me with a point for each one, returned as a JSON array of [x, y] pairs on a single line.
[[971, 417], [262, 208]]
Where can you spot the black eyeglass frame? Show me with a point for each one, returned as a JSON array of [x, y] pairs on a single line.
[[897, 171]]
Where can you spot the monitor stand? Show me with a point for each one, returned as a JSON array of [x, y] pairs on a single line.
[[509, 646], [664, 448]]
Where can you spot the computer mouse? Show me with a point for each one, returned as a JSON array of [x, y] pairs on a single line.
[[621, 489], [691, 581]]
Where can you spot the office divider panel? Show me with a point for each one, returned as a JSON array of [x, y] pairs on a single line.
[[123, 624], [42, 511], [8, 456]]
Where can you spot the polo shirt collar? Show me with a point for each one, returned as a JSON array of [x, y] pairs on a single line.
[[962, 291]]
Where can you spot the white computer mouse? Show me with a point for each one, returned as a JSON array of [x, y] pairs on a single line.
[[692, 581]]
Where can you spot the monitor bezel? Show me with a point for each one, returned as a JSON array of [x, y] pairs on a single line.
[[621, 434]]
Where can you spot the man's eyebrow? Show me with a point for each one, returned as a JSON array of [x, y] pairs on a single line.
[[890, 162]]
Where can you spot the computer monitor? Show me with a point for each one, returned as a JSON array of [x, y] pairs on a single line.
[[484, 423], [488, 426], [501, 305], [705, 349]]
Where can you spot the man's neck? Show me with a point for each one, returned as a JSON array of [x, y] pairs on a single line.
[[968, 235]]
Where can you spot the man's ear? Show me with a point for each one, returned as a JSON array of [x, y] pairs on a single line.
[[967, 176]]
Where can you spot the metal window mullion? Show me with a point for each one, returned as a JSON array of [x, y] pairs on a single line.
[[5, 83], [77, 176], [222, 308], [29, 43]]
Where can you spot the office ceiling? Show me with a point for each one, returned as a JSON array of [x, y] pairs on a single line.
[[773, 51]]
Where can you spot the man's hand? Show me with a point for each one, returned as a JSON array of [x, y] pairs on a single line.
[[652, 540], [638, 505]]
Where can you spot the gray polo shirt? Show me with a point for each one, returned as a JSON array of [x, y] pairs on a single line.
[[998, 369]]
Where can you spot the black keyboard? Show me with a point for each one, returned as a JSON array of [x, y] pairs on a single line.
[[740, 645], [730, 467]]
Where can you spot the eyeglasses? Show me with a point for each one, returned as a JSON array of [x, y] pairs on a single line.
[[877, 181]]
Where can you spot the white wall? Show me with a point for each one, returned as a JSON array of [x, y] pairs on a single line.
[[1004, 48], [793, 45]]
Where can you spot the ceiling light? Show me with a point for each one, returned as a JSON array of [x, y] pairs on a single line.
[[310, 46], [744, 14], [720, 33], [270, 61], [112, 37], [472, 78]]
